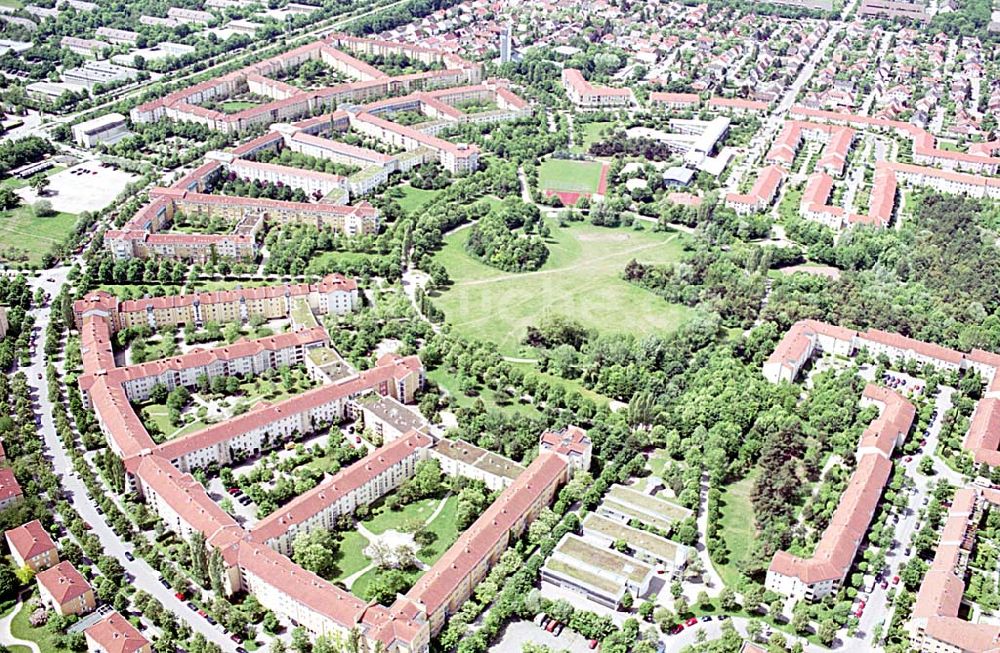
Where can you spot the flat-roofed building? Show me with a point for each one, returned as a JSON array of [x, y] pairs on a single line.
[[601, 574], [460, 458], [643, 504], [652, 549], [387, 418], [108, 128]]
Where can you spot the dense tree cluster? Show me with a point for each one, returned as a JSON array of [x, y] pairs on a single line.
[[29, 149], [504, 239]]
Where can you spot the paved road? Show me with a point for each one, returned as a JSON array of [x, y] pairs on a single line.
[[146, 578]]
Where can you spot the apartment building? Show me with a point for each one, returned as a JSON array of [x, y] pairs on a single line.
[[114, 634], [387, 418], [762, 193], [31, 546], [10, 491], [824, 572], [334, 294], [588, 96], [674, 101], [359, 484], [64, 589], [460, 458]]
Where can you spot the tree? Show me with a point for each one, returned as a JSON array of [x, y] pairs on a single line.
[[199, 557], [316, 551], [727, 599], [42, 209], [627, 600], [827, 631], [9, 583], [646, 610], [40, 183]]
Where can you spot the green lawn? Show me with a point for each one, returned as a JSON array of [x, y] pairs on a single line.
[[736, 527], [444, 527], [47, 641], [386, 519], [570, 385], [566, 175], [450, 383], [325, 262], [591, 134], [582, 279], [414, 198], [23, 237], [16, 4], [351, 559], [235, 106]]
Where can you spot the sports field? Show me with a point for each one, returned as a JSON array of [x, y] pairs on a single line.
[[582, 279], [566, 175]]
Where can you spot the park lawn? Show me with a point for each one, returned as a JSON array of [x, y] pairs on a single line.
[[351, 558], [444, 527], [22, 232], [591, 134], [331, 261], [566, 175], [16, 4], [736, 527], [47, 641], [450, 383], [570, 385], [581, 280], [386, 519], [414, 198]]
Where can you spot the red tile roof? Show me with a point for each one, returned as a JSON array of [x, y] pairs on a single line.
[[114, 634], [30, 540], [9, 489], [63, 582]]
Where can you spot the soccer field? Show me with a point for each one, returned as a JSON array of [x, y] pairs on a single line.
[[582, 280], [566, 175]]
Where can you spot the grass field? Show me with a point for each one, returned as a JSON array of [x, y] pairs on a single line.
[[591, 134], [414, 198], [16, 4], [21, 233], [17, 182], [235, 106], [581, 279], [451, 385], [351, 559], [386, 519], [736, 527], [574, 176]]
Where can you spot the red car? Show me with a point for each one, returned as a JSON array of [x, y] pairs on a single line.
[[858, 613], [592, 643], [861, 604], [676, 629], [908, 459], [693, 621], [895, 580], [551, 626], [236, 638], [180, 596], [357, 440]]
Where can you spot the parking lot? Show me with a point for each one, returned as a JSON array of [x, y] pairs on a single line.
[[83, 187], [518, 632]]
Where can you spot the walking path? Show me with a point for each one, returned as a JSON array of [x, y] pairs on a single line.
[[8, 638]]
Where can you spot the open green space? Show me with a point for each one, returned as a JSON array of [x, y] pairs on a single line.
[[365, 579], [444, 528], [385, 519], [351, 558], [235, 106], [16, 4], [567, 175], [26, 238], [582, 280], [452, 385], [592, 133], [736, 527], [326, 262], [46, 640], [414, 198], [570, 385]]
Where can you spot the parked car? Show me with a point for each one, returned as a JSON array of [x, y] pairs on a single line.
[[707, 617], [539, 619], [180, 596], [551, 625], [592, 643], [202, 613], [192, 607], [163, 581], [558, 629], [129, 556], [210, 620], [236, 638], [676, 629], [693, 621], [895, 580]]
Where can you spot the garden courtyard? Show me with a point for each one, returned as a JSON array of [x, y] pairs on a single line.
[[581, 280]]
